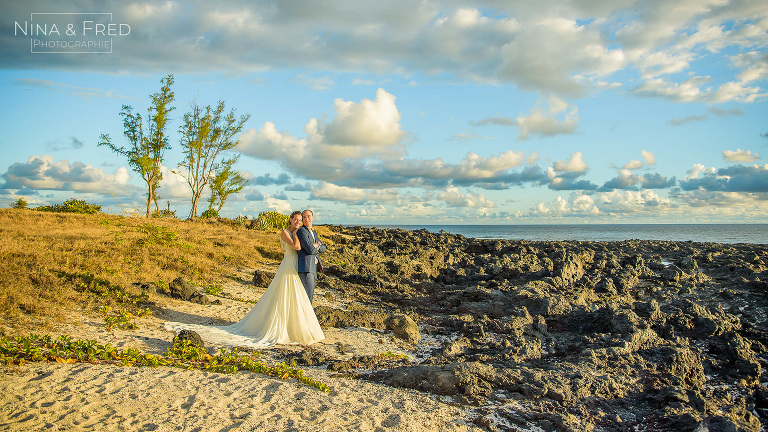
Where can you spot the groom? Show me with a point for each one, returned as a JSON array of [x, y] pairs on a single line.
[[309, 259]]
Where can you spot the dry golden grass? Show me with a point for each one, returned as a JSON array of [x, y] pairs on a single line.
[[48, 260]]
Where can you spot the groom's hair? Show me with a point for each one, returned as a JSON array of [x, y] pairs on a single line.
[[297, 212], [310, 211]]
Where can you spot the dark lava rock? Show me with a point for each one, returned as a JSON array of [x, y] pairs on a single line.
[[310, 358], [403, 327], [262, 278], [181, 289], [356, 316], [740, 361], [192, 337], [562, 336], [367, 362]]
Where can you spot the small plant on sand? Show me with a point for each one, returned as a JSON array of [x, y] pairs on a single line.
[[192, 357], [389, 355], [214, 289], [120, 318]]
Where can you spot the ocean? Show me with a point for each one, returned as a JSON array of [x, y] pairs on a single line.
[[700, 233]]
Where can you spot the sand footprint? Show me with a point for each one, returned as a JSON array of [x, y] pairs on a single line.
[[392, 421]]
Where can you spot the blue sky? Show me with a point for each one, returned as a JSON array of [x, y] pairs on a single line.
[[398, 112]]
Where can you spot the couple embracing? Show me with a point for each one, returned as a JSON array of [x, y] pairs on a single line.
[[283, 314]]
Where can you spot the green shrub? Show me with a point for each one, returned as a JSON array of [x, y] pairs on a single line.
[[210, 213], [20, 204], [164, 213], [272, 219], [240, 220], [72, 205]]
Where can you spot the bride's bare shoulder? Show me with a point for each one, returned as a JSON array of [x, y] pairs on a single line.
[[285, 236]]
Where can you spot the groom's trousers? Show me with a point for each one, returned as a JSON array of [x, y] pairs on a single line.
[[308, 280]]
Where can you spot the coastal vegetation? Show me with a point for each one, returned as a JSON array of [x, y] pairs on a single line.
[[182, 354]]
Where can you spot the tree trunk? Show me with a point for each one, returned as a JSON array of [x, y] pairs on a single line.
[[149, 199], [195, 199]]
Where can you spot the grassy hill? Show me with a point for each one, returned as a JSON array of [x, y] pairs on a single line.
[[55, 263]]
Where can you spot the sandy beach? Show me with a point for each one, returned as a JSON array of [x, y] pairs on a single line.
[[83, 397]]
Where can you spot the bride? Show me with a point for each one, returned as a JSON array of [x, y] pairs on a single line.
[[283, 314]]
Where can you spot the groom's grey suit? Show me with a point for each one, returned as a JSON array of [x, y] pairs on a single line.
[[308, 259]]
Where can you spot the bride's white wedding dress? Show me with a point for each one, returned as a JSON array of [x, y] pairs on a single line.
[[283, 314]]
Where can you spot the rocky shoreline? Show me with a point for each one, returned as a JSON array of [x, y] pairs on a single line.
[[563, 336]]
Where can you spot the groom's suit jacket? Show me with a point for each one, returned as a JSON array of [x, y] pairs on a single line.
[[308, 255]]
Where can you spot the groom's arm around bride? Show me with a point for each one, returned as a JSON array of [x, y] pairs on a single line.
[[308, 256]]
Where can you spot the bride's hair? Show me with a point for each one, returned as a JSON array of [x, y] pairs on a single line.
[[297, 212]]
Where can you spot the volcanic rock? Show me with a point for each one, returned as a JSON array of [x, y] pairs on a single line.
[[403, 327]]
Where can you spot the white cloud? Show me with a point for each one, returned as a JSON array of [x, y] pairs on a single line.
[[175, 186], [650, 159], [656, 64], [268, 143], [563, 49], [627, 178], [546, 123], [740, 155], [368, 123], [332, 192], [45, 173], [686, 91], [754, 65], [576, 205], [737, 91], [575, 163], [696, 170], [695, 89], [453, 197], [278, 205], [718, 203], [621, 203], [359, 130], [633, 165], [122, 176], [642, 201]]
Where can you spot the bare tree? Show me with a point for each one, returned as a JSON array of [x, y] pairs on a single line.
[[146, 151], [205, 135]]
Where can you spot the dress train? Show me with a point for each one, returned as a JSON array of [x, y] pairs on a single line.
[[283, 314]]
